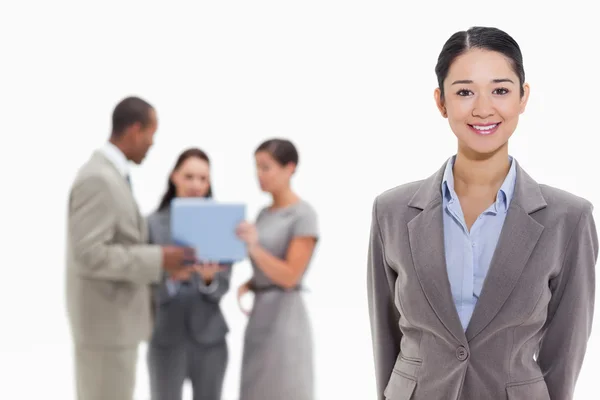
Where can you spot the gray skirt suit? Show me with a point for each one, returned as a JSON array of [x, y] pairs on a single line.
[[278, 349], [189, 333]]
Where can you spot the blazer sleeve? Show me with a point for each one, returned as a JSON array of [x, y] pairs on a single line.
[[571, 311], [384, 316], [92, 227], [219, 285]]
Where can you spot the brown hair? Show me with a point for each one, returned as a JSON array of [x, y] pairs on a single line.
[[170, 193]]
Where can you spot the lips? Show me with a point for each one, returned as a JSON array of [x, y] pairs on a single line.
[[486, 129]]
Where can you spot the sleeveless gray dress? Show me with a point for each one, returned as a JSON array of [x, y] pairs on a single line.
[[277, 361]]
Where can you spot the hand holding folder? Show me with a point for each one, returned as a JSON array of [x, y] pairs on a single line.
[[247, 233], [175, 256]]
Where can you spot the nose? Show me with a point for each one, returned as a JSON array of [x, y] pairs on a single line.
[[483, 107], [196, 186]]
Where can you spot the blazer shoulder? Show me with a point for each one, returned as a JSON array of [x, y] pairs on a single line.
[[93, 171], [154, 216], [157, 220], [158, 226], [563, 203], [397, 196]]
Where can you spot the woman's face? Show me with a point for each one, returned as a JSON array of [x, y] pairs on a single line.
[[482, 101], [192, 178], [272, 177]]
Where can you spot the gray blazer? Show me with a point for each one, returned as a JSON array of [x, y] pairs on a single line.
[[183, 315], [109, 265], [528, 334]]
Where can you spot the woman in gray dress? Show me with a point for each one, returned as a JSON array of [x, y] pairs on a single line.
[[278, 349], [189, 335]]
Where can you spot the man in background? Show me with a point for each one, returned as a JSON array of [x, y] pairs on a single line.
[[110, 266]]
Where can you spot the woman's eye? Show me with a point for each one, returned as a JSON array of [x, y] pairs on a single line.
[[463, 92], [501, 91]]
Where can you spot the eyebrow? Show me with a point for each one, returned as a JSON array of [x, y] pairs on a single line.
[[468, 82]]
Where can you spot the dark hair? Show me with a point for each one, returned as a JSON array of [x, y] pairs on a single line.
[[171, 190], [129, 111], [485, 38], [282, 150]]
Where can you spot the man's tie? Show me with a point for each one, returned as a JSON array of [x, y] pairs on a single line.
[[128, 179]]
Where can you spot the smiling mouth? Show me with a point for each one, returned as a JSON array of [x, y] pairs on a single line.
[[485, 129]]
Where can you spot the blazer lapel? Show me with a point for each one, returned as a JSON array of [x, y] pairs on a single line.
[[518, 238], [125, 188], [165, 224], [426, 237]]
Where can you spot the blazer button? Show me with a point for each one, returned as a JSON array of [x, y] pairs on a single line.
[[461, 353]]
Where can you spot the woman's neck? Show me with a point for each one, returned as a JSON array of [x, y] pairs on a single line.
[[480, 175], [284, 198]]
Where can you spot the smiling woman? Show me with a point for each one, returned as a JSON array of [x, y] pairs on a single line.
[[482, 89], [486, 290]]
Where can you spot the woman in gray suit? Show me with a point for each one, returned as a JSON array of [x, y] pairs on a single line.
[[189, 336], [277, 361], [480, 280]]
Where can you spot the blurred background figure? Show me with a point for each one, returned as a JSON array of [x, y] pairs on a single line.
[[278, 348], [189, 336], [109, 264]]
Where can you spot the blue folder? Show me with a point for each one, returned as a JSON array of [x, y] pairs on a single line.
[[209, 227]]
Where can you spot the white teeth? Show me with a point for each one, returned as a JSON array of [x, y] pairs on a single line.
[[484, 128]]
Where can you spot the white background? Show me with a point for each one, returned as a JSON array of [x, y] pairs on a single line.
[[349, 82]]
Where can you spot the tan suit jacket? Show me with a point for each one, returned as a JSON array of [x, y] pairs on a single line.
[[529, 331], [109, 263]]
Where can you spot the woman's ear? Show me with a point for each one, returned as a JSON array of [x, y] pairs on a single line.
[[439, 101], [524, 98], [291, 167]]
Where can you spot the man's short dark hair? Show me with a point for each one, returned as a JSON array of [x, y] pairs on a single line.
[[129, 111]]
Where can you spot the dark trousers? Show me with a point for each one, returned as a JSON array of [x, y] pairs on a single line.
[[204, 365]]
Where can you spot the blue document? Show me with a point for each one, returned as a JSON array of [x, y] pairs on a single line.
[[209, 227]]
